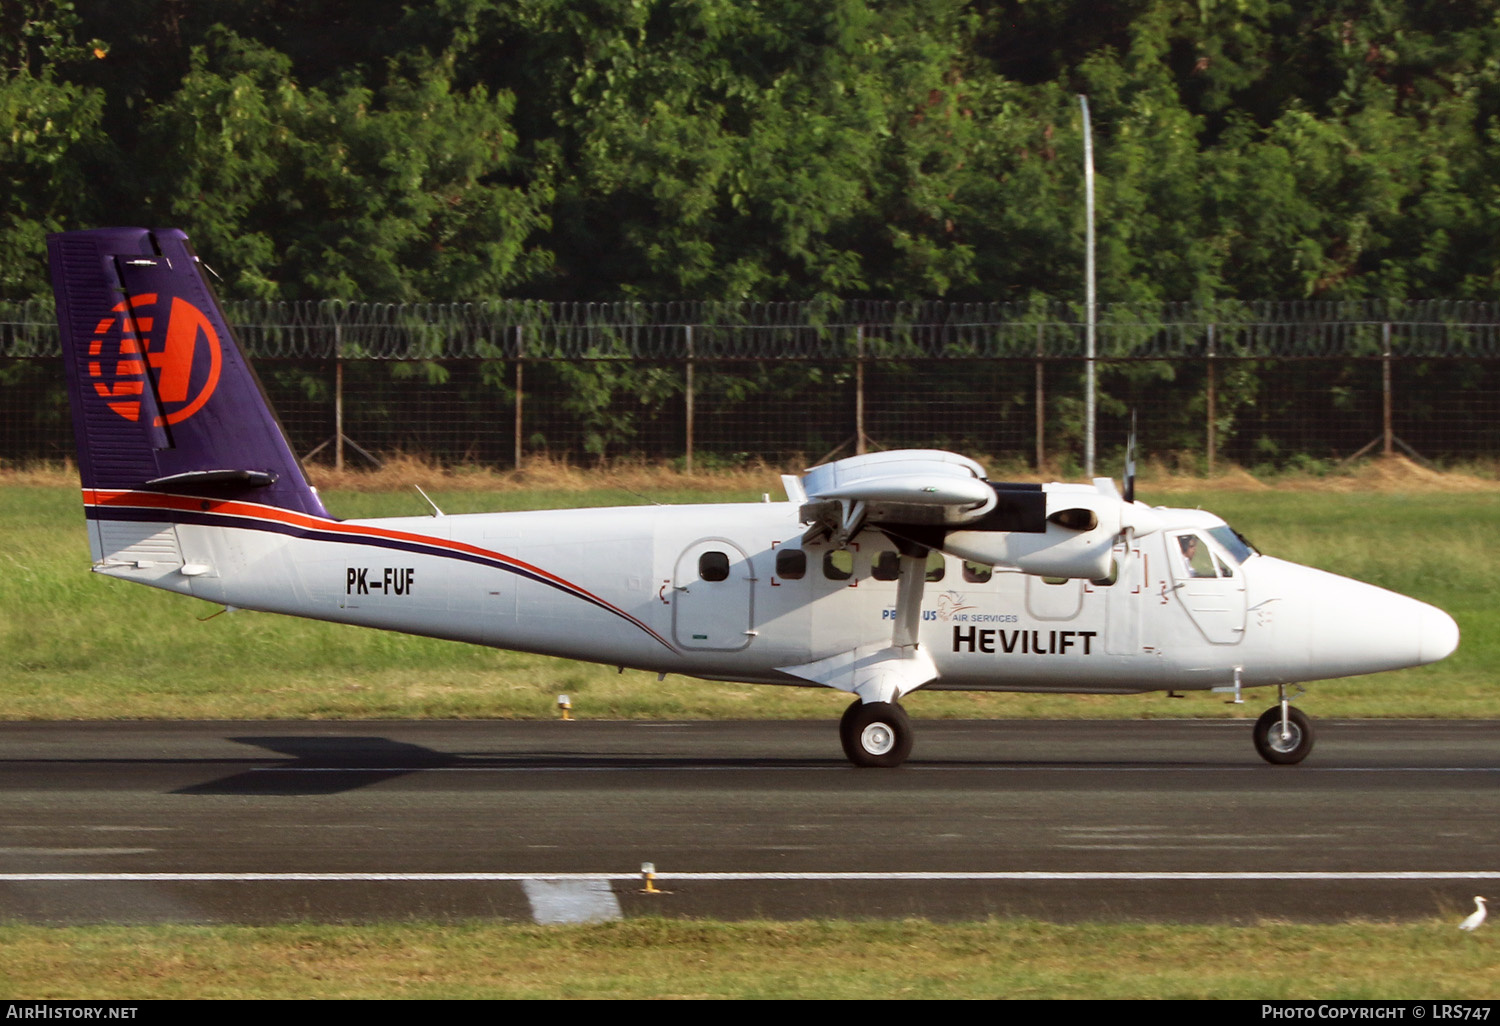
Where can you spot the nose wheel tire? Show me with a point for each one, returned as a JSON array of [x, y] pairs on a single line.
[[875, 734], [1283, 748]]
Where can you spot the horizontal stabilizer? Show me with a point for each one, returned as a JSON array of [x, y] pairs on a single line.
[[247, 478]]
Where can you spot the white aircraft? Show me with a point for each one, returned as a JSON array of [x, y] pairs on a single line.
[[879, 575]]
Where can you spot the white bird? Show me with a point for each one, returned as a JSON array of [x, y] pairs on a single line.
[[1476, 917]]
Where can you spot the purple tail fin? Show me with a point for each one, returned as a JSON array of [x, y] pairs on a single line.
[[163, 397]]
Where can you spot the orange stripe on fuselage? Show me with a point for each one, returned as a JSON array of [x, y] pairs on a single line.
[[256, 511]]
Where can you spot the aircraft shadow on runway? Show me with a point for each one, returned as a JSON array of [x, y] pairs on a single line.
[[324, 765], [332, 765]]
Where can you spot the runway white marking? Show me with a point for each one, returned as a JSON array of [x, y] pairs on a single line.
[[1023, 875], [556, 900], [60, 852]]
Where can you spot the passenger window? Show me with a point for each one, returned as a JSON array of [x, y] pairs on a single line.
[[977, 573], [1054, 580], [937, 566], [887, 566], [791, 564], [838, 564], [1114, 575], [713, 566]]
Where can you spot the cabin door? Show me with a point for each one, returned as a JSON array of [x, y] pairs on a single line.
[[713, 597]]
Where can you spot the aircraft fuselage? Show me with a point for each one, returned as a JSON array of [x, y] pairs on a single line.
[[710, 591]]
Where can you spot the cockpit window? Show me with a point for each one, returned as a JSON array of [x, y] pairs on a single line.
[[1233, 543], [1195, 556]]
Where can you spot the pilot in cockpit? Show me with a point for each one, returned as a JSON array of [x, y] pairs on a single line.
[[1199, 563]]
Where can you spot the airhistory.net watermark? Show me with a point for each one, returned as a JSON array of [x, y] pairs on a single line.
[[39, 1010]]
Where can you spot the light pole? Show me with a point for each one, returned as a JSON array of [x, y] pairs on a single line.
[[1088, 263]]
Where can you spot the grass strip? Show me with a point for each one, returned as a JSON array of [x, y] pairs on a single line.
[[660, 958]]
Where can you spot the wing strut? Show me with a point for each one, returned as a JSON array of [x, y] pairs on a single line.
[[909, 590], [883, 673]]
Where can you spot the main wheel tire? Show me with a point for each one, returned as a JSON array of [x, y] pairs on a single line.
[[1283, 751], [876, 734]]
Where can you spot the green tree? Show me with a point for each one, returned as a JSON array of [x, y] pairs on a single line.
[[713, 149], [346, 193], [47, 128]]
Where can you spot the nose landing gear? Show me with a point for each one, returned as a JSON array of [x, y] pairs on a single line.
[[1283, 735]]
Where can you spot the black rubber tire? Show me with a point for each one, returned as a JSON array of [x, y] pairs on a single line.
[[1283, 751], [876, 734]]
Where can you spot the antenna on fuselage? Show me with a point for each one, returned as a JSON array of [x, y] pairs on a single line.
[[435, 511]]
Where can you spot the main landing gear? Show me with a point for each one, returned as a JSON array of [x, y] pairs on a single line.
[[1283, 735], [879, 734], [875, 734]]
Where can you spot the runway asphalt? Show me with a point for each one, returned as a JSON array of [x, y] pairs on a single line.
[[1172, 820]]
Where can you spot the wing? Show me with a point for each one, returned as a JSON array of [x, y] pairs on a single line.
[[929, 499]]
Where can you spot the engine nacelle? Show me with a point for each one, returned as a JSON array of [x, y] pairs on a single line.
[[1056, 552], [1069, 531], [936, 499]]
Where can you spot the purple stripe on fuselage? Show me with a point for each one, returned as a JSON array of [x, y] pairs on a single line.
[[347, 535]]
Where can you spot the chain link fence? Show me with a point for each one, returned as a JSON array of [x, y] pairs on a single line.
[[704, 384]]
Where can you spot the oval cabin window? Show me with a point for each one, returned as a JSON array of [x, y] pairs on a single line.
[[791, 564], [713, 566]]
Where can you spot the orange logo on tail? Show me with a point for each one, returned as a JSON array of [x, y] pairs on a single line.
[[188, 344]]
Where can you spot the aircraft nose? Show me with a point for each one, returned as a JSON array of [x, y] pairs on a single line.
[[1439, 634], [1359, 628]]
